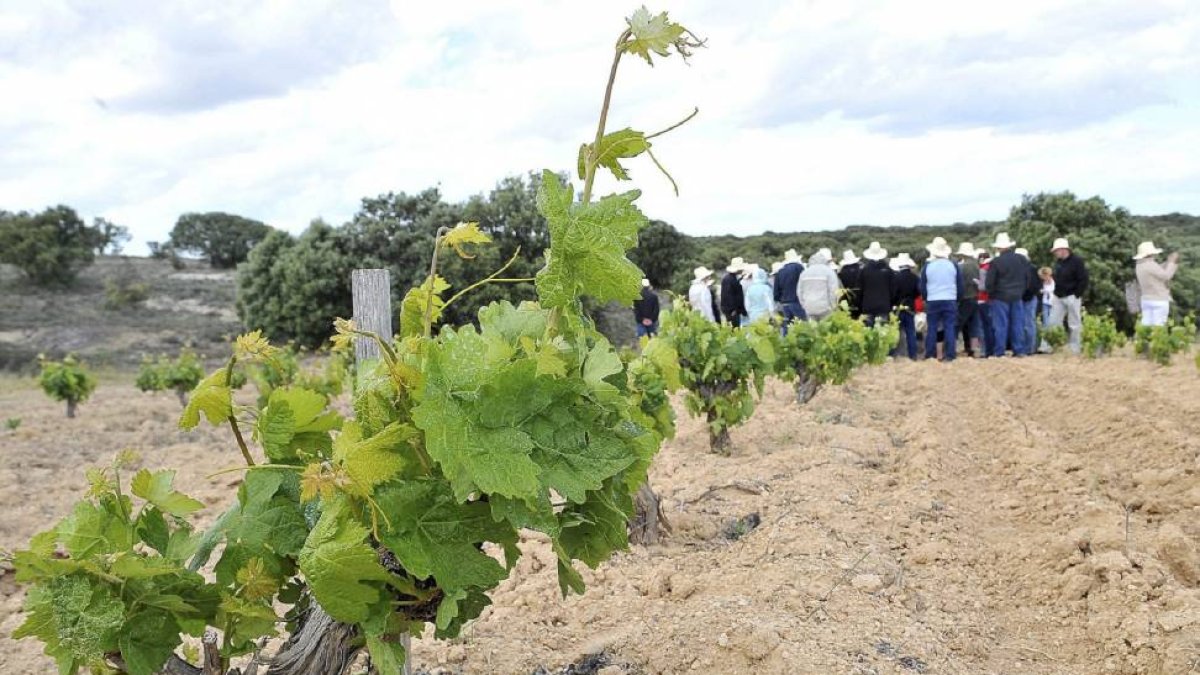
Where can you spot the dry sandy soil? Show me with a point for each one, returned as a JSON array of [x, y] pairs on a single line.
[[1035, 516]]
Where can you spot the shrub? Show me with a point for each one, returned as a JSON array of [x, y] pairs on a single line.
[[1101, 337], [66, 380], [180, 374], [11, 423], [124, 293], [815, 353], [1161, 343], [1056, 337]]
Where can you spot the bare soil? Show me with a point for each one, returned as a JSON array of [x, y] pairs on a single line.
[[1019, 516]]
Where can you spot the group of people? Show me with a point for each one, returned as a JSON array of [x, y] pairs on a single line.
[[993, 298]]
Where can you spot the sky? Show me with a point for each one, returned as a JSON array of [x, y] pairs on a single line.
[[813, 115]]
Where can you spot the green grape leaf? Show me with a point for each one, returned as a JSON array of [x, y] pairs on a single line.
[[435, 536], [212, 398], [156, 488], [456, 608], [95, 528], [588, 244], [463, 234], [519, 514], [265, 525], [412, 308], [618, 145], [373, 460], [651, 33], [147, 641], [339, 566], [248, 620], [513, 323], [295, 419], [592, 531], [387, 657], [77, 617], [601, 363], [576, 457]]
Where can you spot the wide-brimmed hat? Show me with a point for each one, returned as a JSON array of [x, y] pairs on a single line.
[[875, 252], [821, 257], [738, 264], [702, 272], [826, 252], [1062, 243], [848, 257], [938, 248], [1023, 252], [1003, 241], [645, 283], [901, 261], [776, 266], [1146, 249], [749, 270], [967, 249], [791, 255]]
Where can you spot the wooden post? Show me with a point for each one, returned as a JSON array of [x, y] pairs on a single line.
[[372, 293]]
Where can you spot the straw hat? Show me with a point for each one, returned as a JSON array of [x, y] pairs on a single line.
[[1147, 249], [645, 283], [791, 256], [776, 266], [967, 249], [903, 260], [1062, 243], [702, 272], [848, 257], [875, 252], [736, 265], [1024, 253], [821, 257], [1003, 241], [938, 248]]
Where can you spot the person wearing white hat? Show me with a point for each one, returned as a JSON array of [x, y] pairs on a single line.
[[700, 296], [1154, 283], [876, 283], [733, 296], [904, 302], [1070, 283], [819, 287], [645, 311], [970, 319], [941, 285], [787, 282], [850, 277], [1007, 280]]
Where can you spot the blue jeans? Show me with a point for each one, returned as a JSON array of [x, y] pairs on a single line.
[[988, 333], [647, 331], [1008, 325], [941, 315], [1030, 325], [908, 332], [792, 311]]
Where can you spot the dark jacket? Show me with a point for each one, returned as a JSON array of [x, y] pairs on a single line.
[[1007, 277], [904, 290], [646, 307], [1070, 277], [876, 281], [1034, 286], [851, 278], [786, 280], [733, 300], [970, 272]]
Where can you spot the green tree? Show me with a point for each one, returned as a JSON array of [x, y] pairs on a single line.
[[111, 238], [662, 253], [224, 239], [1105, 237], [50, 247]]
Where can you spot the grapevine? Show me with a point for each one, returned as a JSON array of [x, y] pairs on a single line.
[[179, 375], [368, 527], [1161, 343], [1101, 337], [67, 380]]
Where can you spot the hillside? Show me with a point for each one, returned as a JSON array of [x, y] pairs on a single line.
[[195, 304]]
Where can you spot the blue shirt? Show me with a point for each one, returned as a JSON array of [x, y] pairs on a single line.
[[941, 280]]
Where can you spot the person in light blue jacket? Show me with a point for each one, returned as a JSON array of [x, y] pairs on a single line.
[[760, 297]]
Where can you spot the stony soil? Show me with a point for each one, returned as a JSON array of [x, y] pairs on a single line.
[[1035, 516]]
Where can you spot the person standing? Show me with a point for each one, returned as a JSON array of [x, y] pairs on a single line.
[[941, 285], [1070, 283], [1007, 280], [733, 299], [984, 304], [875, 282], [787, 279], [904, 302], [1047, 297], [850, 277], [968, 304], [819, 287], [1029, 302], [645, 311], [700, 296], [1154, 280], [759, 301]]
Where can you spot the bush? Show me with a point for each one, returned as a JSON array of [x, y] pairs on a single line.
[[1101, 337], [122, 294], [816, 353], [1056, 337], [49, 247], [1161, 343], [66, 380], [12, 423], [180, 374]]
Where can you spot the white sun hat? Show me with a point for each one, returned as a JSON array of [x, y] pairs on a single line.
[[702, 272], [1146, 249], [1024, 253], [645, 283], [848, 257], [1062, 243], [901, 261], [875, 252], [738, 264], [776, 266], [938, 248], [790, 256], [1003, 241], [967, 249]]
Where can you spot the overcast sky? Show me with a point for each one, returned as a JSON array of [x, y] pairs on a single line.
[[813, 115]]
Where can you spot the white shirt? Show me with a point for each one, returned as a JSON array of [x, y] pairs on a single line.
[[701, 299]]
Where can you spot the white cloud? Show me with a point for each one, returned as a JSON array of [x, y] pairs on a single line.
[[813, 114]]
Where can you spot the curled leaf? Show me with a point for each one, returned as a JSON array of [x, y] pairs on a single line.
[[463, 234]]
